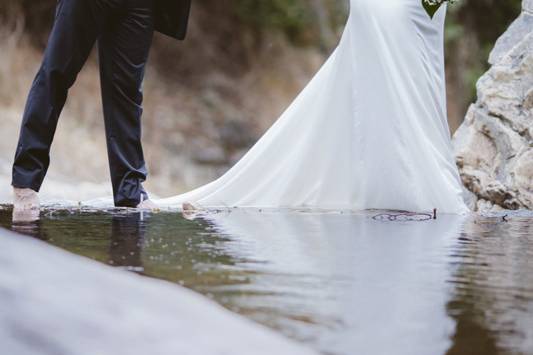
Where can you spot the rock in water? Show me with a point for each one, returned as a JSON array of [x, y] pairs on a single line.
[[494, 145]]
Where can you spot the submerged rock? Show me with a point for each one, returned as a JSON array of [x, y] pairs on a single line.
[[494, 146], [53, 302]]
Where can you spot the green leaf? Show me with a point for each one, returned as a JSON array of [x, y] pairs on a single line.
[[431, 9]]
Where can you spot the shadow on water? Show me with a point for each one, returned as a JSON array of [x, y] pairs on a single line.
[[344, 283]]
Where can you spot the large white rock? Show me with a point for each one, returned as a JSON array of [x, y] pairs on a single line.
[[56, 303], [494, 145]]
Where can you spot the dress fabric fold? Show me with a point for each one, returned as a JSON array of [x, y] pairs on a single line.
[[369, 131]]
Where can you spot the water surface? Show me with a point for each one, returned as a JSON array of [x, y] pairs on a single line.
[[342, 283]]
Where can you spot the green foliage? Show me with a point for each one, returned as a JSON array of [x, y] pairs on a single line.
[[480, 22], [288, 15], [431, 9], [295, 18]]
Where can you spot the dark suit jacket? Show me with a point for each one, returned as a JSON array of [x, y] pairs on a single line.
[[172, 16]]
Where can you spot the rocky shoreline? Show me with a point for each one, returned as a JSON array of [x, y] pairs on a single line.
[[494, 146]]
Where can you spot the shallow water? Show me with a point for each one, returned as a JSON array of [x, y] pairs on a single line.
[[342, 283]]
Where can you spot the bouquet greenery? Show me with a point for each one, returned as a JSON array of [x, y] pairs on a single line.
[[432, 6]]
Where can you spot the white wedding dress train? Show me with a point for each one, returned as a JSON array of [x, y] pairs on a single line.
[[368, 132]]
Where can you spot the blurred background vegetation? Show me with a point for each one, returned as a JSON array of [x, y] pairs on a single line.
[[210, 97]]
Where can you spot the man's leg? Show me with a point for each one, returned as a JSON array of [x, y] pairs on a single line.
[[123, 51], [77, 25]]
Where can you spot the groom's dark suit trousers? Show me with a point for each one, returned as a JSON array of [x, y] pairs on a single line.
[[123, 30]]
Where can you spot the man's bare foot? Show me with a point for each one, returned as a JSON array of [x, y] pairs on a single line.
[[25, 199], [148, 205], [189, 211], [26, 205], [189, 207]]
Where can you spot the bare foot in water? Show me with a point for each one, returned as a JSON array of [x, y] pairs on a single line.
[[187, 206], [26, 205], [189, 211]]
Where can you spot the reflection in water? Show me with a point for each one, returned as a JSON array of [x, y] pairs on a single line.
[[363, 286], [492, 299], [31, 228], [344, 283], [127, 239]]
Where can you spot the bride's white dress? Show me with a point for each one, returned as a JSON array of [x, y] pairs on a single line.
[[368, 132]]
